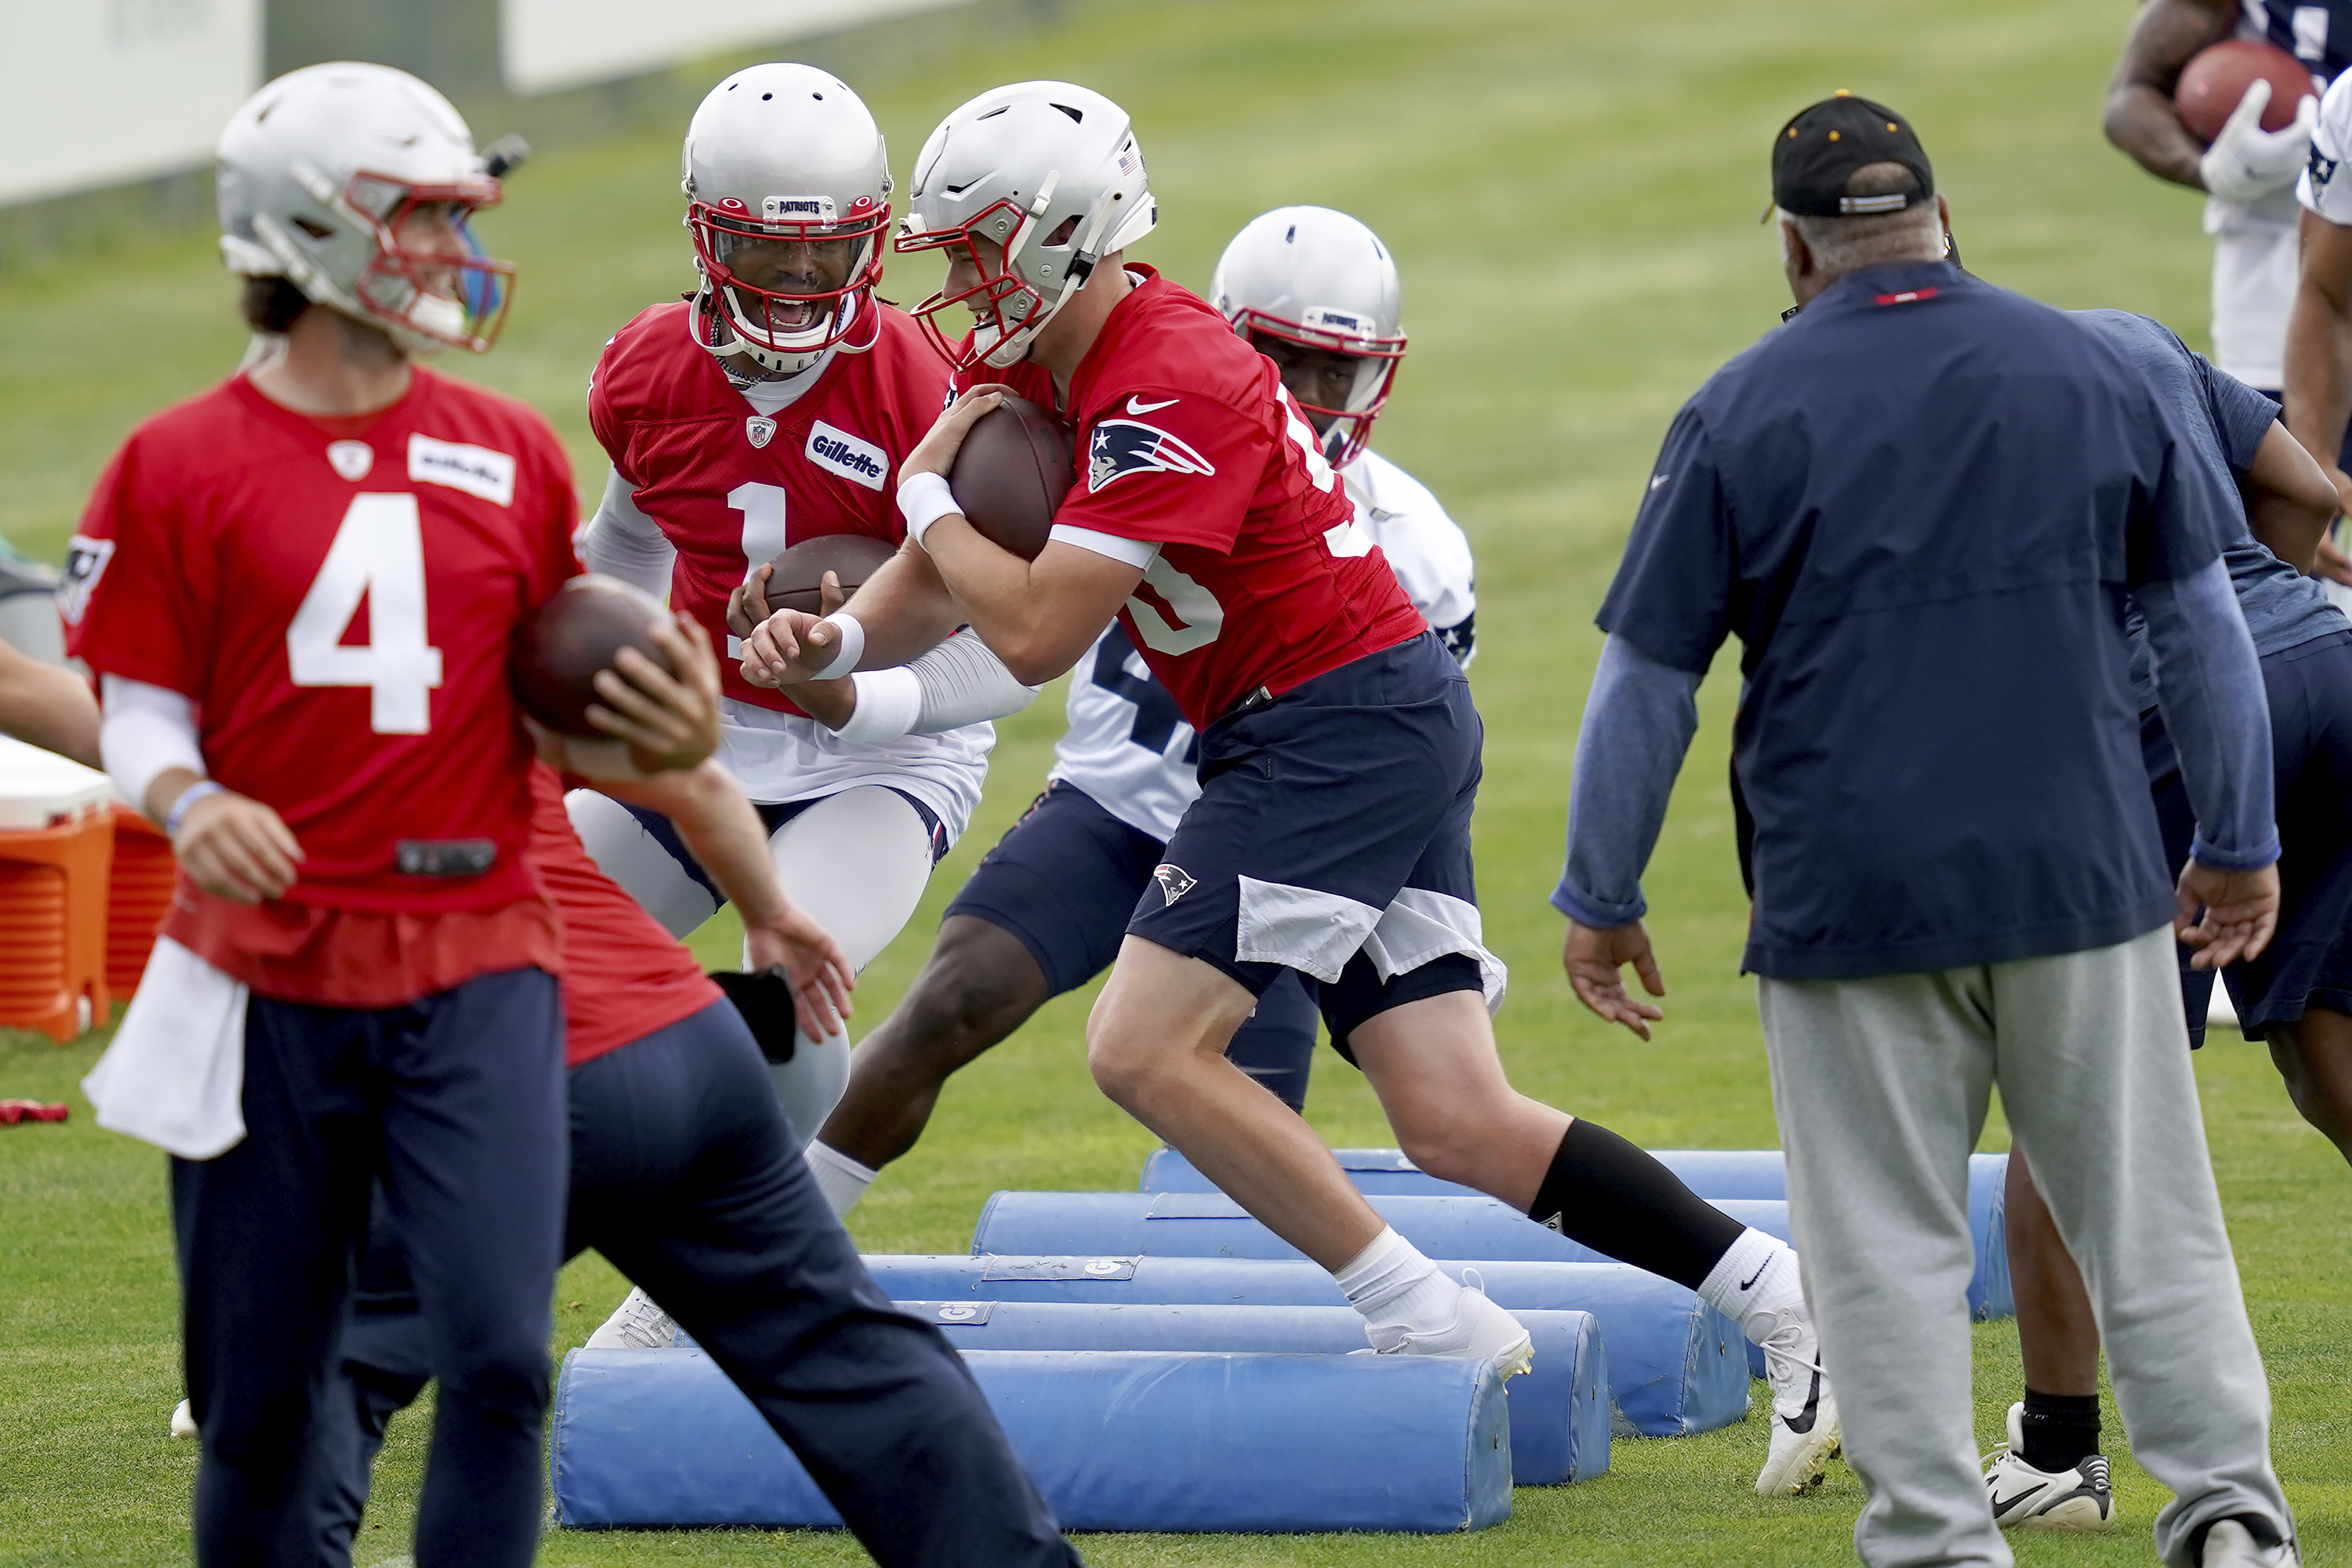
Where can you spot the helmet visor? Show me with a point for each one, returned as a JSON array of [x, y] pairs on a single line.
[[431, 274]]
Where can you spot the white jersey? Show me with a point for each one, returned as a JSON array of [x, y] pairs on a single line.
[[1126, 745], [2255, 254]]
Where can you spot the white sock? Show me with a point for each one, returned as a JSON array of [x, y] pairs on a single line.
[[1398, 1289], [841, 1179], [1754, 1283]]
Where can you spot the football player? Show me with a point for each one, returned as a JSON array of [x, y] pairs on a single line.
[[1317, 292], [2248, 175], [772, 407], [1339, 752], [358, 946], [686, 1176]]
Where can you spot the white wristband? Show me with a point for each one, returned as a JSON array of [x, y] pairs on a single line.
[[923, 500], [853, 647], [889, 704]]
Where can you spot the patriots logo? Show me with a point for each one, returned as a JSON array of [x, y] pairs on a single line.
[[1130, 447], [1174, 881], [2321, 170]]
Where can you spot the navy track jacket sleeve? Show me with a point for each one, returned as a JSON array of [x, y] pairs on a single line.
[[1638, 724]]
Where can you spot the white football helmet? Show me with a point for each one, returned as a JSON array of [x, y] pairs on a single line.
[[1049, 177], [320, 170], [1319, 278], [784, 155]]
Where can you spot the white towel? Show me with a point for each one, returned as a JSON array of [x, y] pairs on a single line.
[[175, 1076]]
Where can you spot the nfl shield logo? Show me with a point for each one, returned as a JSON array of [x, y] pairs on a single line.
[[760, 428]]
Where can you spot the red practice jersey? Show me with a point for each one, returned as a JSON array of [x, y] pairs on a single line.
[[1187, 439], [624, 977], [338, 598], [732, 487]]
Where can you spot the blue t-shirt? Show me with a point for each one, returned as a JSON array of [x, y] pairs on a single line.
[[1921, 505], [2225, 420]]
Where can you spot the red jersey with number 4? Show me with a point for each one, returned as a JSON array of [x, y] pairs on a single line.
[[732, 487], [338, 598], [624, 977], [1186, 439]]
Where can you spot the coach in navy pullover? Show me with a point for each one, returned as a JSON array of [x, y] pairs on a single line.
[[1925, 506]]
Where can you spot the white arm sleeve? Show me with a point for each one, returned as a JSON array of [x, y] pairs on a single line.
[[145, 730], [622, 542], [957, 683]]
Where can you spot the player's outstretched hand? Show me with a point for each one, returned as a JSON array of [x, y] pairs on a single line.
[[235, 847], [786, 647], [2226, 915], [667, 721], [1594, 959], [935, 453], [821, 974]]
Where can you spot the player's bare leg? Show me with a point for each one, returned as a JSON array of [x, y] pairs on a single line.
[[2050, 1475], [979, 984], [1156, 1044], [2314, 1054], [1434, 1064]]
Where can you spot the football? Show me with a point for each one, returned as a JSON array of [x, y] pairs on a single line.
[[575, 633], [796, 578], [2212, 83], [1011, 474]]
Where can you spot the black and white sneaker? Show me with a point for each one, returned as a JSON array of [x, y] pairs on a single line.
[[1804, 1412], [2024, 1497], [636, 1324]]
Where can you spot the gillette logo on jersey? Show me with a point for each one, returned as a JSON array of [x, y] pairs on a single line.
[[848, 455], [1124, 446]]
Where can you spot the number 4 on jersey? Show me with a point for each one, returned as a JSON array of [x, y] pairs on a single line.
[[378, 554]]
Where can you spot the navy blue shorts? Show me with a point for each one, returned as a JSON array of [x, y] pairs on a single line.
[[1332, 836], [773, 815], [1063, 881], [2309, 962]]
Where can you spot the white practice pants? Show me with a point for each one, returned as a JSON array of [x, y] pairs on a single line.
[[858, 861]]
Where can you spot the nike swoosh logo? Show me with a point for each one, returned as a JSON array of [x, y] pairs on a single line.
[[1657, 481], [2001, 1505], [1801, 1424], [1137, 405], [1749, 1283]]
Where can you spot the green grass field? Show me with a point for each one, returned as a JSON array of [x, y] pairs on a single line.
[[1572, 192]]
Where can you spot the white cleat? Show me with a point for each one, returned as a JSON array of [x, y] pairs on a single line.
[[184, 1420], [2230, 1544], [636, 1324], [1480, 1332], [1804, 1412], [2023, 1498]]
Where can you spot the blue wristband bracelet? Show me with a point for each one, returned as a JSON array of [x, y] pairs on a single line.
[[188, 797]]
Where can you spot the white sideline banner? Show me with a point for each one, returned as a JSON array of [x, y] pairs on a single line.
[[549, 44], [95, 92]]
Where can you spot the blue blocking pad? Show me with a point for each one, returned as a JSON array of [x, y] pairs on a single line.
[[1559, 1411], [1675, 1364], [1715, 1174], [1125, 1440]]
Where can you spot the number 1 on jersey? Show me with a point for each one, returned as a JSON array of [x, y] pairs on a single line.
[[378, 554]]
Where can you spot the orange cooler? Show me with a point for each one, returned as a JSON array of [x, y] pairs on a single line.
[[57, 851]]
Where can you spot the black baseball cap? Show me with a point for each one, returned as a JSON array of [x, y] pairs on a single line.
[[1819, 148]]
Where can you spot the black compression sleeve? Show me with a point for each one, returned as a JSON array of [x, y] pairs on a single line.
[[1619, 1200]]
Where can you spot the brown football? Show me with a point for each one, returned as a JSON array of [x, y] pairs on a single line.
[[1012, 473], [2214, 80], [578, 631], [796, 578]]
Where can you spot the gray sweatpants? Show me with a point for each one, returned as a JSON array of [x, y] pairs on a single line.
[[1881, 1087]]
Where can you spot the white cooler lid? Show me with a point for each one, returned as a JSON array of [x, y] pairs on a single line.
[[36, 786]]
